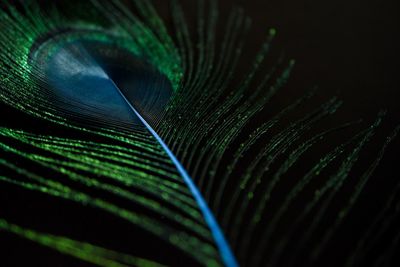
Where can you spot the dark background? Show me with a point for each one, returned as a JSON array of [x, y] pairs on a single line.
[[348, 48], [345, 47]]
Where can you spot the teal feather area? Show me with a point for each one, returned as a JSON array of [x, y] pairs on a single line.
[[145, 140]]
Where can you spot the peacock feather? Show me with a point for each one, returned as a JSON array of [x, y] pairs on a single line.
[[150, 137]]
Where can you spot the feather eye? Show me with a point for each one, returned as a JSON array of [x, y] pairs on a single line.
[[86, 80], [160, 130]]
